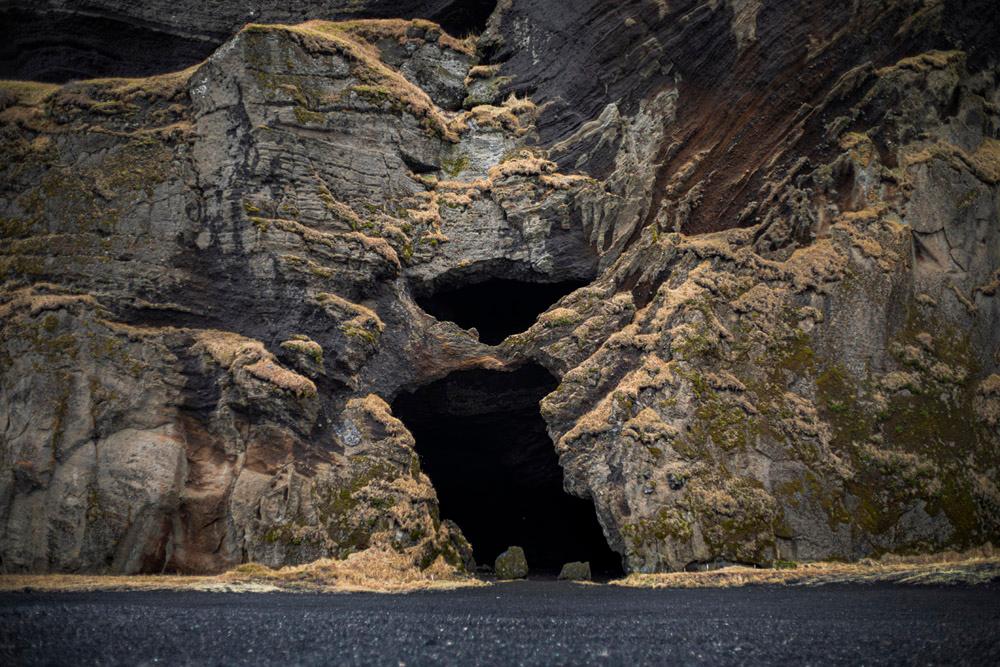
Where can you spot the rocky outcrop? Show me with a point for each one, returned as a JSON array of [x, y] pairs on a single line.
[[212, 265], [787, 348], [805, 388], [511, 564], [744, 87]]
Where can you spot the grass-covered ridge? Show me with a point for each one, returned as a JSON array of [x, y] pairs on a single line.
[[378, 82]]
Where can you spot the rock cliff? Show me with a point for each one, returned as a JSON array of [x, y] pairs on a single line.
[[785, 222]]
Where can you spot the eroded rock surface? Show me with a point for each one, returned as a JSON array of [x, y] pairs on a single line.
[[787, 348]]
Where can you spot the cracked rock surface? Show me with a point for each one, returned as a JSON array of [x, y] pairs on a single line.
[[786, 220]]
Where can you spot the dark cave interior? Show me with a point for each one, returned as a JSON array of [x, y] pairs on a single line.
[[482, 441], [497, 307]]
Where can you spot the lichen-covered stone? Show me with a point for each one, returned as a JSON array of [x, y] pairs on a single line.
[[305, 354], [511, 564], [575, 571]]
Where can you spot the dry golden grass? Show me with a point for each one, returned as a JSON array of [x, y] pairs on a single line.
[[27, 103], [378, 570], [516, 115], [165, 86], [530, 166], [387, 571], [925, 62], [25, 92], [984, 163], [987, 159], [372, 570], [69, 583], [373, 30], [269, 371], [481, 72], [367, 66], [973, 567]]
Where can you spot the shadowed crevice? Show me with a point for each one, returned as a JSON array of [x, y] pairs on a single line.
[[496, 308], [484, 445], [465, 17]]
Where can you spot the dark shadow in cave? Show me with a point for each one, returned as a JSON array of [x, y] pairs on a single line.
[[483, 443], [497, 308]]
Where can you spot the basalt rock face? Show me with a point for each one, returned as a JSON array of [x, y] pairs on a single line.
[[787, 217], [751, 79], [788, 396], [207, 292]]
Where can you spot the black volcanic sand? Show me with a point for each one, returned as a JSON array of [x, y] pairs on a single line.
[[535, 623]]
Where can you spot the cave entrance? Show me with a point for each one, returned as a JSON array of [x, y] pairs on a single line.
[[497, 307], [483, 443]]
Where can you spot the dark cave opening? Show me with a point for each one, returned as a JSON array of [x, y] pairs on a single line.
[[496, 308], [465, 17], [483, 443], [55, 47]]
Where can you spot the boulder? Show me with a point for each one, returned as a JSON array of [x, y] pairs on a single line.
[[575, 571], [511, 564]]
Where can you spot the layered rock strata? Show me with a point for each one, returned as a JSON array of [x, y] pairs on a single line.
[[787, 348]]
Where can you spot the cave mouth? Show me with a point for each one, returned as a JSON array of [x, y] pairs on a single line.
[[497, 307], [483, 443]]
